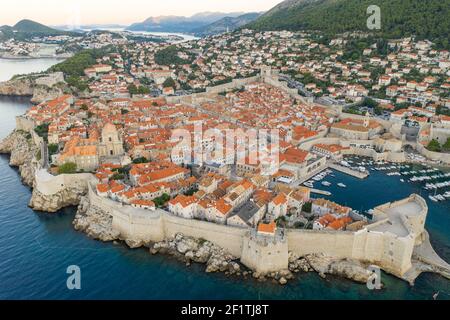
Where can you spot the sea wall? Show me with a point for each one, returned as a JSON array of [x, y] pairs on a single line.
[[52, 193], [337, 244], [390, 252], [25, 124], [158, 225], [387, 250], [436, 156]]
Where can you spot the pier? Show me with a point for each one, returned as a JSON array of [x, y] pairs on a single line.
[[351, 172]]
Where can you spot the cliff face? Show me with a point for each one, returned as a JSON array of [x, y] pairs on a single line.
[[69, 196], [42, 93], [22, 87], [94, 222], [23, 154], [27, 87]]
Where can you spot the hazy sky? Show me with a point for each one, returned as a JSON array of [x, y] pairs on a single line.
[[76, 12]]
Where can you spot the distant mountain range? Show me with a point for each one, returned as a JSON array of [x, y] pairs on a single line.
[[226, 23], [201, 23], [27, 29], [426, 19], [88, 27]]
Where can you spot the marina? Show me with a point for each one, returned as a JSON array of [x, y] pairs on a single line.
[[360, 173]]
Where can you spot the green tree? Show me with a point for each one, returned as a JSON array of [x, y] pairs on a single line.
[[118, 176], [169, 83], [434, 146], [52, 149], [42, 131], [307, 207], [140, 160], [161, 201], [446, 145], [67, 168]]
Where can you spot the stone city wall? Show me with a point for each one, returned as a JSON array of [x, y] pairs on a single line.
[[48, 184], [24, 124], [436, 156], [391, 252]]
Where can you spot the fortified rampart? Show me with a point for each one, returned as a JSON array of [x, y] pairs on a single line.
[[389, 250], [48, 184], [390, 156], [436, 156]]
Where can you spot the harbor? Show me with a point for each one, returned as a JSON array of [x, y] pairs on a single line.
[[360, 174]]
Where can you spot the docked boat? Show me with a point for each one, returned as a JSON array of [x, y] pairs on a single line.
[[433, 198]]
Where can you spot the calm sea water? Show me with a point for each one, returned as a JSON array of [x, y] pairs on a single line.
[[11, 67], [37, 248]]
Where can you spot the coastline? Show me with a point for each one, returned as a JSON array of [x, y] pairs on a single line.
[[97, 224], [19, 58]]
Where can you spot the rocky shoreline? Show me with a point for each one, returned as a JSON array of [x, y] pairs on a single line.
[[23, 153], [26, 87], [97, 224]]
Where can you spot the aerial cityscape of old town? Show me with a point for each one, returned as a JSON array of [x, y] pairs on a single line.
[[228, 148]]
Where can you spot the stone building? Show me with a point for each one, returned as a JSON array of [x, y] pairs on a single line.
[[111, 144]]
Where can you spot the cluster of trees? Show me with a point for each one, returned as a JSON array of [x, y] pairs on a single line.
[[161, 201], [67, 168], [77, 82], [140, 160], [169, 56], [443, 110], [399, 18], [307, 207], [74, 66], [42, 131], [169, 83], [52, 149], [375, 106], [132, 89], [435, 146]]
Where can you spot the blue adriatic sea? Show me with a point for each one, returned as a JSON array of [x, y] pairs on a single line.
[[36, 249]]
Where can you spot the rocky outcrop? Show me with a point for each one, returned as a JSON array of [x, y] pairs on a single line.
[[27, 87], [23, 154], [94, 222], [19, 87], [347, 268], [189, 250], [69, 196], [43, 93]]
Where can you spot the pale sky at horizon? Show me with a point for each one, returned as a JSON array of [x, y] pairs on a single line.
[[78, 12]]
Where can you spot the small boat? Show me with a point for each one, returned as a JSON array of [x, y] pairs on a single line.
[[326, 183], [402, 180], [433, 198], [340, 184]]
